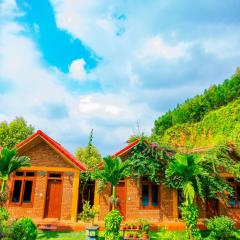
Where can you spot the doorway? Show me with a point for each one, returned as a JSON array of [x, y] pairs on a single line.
[[121, 195], [53, 196]]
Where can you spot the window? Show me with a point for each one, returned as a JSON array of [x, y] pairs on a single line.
[[22, 188], [235, 199], [150, 195]]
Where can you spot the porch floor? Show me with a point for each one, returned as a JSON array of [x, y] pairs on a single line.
[[67, 225]]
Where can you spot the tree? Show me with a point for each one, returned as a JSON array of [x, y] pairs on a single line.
[[91, 157], [14, 132], [114, 169], [194, 176], [9, 163], [194, 109]]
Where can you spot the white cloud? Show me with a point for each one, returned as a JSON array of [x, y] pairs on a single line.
[[223, 48], [155, 48], [77, 70], [36, 86], [131, 90]]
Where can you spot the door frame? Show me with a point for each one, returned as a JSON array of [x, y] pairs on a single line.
[[125, 190], [45, 200]]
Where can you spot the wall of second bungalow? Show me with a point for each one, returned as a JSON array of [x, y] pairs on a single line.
[[42, 155], [166, 211], [233, 213]]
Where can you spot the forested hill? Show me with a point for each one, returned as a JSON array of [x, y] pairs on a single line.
[[194, 110], [216, 127]]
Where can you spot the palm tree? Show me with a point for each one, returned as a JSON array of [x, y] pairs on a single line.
[[9, 163], [186, 173], [114, 169]]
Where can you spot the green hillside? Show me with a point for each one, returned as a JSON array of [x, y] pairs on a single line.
[[195, 109], [216, 127]]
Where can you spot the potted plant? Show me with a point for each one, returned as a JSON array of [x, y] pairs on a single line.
[[128, 235], [125, 226], [134, 226], [145, 226], [88, 215], [135, 235]]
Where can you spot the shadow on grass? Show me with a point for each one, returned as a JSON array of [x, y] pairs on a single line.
[[44, 235]]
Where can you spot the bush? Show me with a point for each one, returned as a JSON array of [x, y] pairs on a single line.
[[24, 229], [88, 214], [4, 215], [4, 229], [112, 223], [144, 224], [221, 228], [190, 216], [167, 235]]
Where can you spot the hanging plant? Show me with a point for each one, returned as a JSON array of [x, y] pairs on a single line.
[[148, 160]]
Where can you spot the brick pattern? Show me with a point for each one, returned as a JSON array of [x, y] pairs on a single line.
[[233, 213], [37, 211], [104, 202], [133, 210], [67, 196], [45, 156]]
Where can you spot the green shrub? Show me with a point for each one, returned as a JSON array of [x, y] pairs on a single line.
[[167, 235], [189, 214], [4, 229], [221, 228], [88, 214], [112, 223], [144, 224], [24, 229], [4, 215]]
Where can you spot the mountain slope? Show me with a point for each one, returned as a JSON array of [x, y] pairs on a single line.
[[195, 109], [216, 127]]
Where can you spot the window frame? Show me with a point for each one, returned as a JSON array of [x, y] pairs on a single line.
[[23, 179], [235, 185], [149, 184]]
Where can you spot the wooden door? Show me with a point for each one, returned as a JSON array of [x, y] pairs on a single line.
[[53, 199], [121, 195]]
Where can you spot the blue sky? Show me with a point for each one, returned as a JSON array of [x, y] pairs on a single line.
[[70, 66]]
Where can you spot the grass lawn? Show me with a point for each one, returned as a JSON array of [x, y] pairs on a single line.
[[81, 235]]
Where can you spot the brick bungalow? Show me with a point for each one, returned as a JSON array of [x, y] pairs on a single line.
[[158, 203], [49, 188]]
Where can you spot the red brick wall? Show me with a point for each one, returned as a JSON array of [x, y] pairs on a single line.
[[43, 155], [67, 195], [233, 213], [37, 211], [133, 209], [104, 202]]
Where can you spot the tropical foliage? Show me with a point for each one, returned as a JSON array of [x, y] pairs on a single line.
[[113, 170], [149, 160], [89, 213], [112, 223], [194, 109], [222, 228], [14, 132], [195, 176], [9, 163]]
